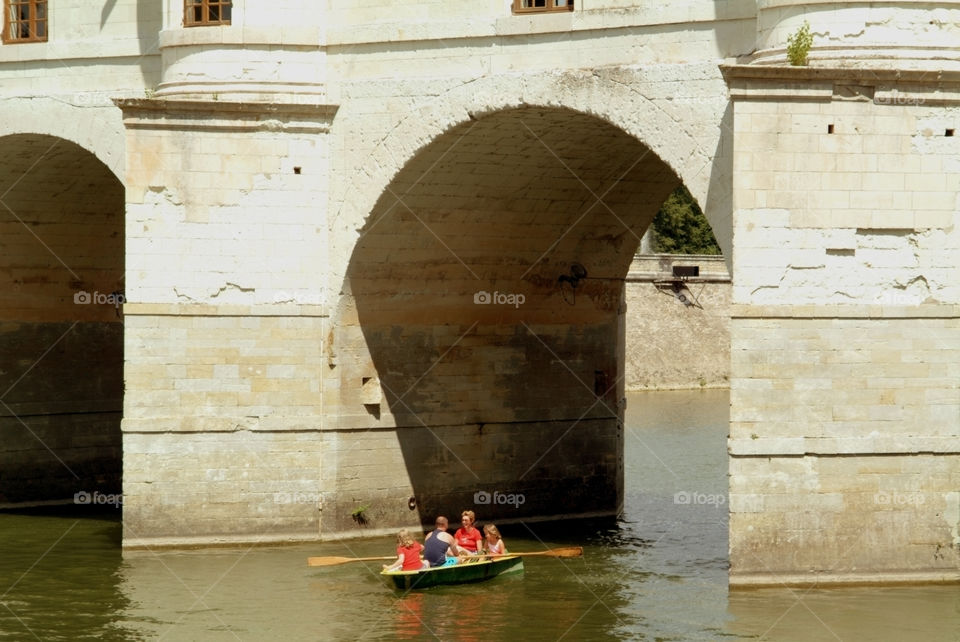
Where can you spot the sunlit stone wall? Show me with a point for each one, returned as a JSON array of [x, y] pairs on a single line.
[[677, 330], [845, 336]]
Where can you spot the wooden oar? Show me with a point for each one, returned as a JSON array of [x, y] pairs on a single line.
[[569, 551], [332, 561]]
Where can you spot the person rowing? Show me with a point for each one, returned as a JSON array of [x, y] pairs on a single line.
[[408, 554], [438, 543]]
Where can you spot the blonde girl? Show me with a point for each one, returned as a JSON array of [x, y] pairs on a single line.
[[408, 553], [494, 543]]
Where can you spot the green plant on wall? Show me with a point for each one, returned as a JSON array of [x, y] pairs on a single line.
[[359, 515], [798, 45]]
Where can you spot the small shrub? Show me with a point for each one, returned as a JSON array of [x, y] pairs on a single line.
[[798, 45]]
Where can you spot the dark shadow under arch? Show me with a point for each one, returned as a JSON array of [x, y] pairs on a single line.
[[477, 332], [61, 331]]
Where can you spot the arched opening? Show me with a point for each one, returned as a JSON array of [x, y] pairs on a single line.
[[61, 368], [489, 328]]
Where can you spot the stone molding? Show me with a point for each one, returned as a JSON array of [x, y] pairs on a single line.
[[823, 579], [881, 86], [210, 424], [234, 116], [841, 446], [657, 267], [855, 311], [209, 310]]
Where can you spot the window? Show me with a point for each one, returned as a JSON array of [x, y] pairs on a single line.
[[24, 21], [531, 6], [198, 13]]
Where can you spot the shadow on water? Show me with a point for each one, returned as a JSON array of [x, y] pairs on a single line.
[[657, 573], [60, 574]]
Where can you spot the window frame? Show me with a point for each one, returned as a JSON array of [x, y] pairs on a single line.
[[33, 19], [519, 8], [205, 5]]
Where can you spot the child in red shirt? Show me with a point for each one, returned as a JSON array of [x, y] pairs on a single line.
[[408, 553]]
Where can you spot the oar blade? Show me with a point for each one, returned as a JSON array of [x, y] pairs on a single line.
[[570, 551], [329, 561], [333, 560]]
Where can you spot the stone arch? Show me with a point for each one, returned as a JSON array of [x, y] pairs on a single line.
[[95, 127], [62, 271], [689, 133], [541, 206]]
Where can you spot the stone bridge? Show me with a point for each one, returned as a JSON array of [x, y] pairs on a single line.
[[296, 270]]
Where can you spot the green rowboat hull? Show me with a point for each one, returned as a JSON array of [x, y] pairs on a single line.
[[460, 573]]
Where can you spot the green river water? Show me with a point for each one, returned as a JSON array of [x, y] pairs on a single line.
[[658, 573]]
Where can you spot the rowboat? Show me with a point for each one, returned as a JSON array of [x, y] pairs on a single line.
[[463, 572]]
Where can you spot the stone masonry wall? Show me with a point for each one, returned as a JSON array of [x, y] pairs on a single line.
[[225, 322], [670, 345], [845, 337]]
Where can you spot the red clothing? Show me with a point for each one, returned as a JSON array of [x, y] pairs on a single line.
[[411, 556], [468, 540]]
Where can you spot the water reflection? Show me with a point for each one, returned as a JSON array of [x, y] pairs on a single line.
[[659, 573], [881, 614], [59, 575]]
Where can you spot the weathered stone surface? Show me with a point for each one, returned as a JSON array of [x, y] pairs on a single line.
[[670, 344], [844, 337], [320, 197]]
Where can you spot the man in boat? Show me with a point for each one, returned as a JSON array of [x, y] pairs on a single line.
[[438, 542]]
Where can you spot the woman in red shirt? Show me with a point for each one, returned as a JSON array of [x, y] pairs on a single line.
[[408, 553], [467, 536]]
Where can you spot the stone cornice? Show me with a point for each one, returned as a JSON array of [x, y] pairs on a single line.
[[214, 115], [881, 86], [797, 73]]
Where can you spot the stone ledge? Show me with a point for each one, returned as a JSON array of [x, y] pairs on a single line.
[[822, 579], [347, 423], [877, 85], [149, 544], [658, 267], [774, 73], [840, 446], [837, 311], [226, 115], [194, 424], [211, 310]]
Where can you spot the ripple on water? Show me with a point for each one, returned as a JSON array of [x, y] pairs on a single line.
[[659, 573]]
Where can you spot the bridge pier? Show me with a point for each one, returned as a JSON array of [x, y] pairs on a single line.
[[845, 404]]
